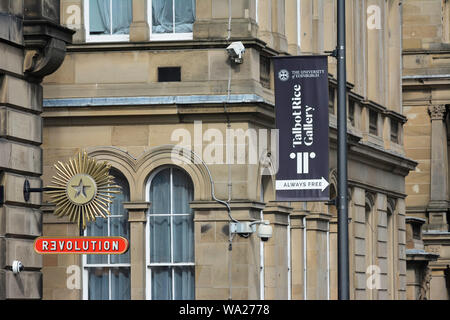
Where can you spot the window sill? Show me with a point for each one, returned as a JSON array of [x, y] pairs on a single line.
[[171, 36], [107, 38]]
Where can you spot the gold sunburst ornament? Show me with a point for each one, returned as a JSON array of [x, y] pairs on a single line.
[[82, 189]]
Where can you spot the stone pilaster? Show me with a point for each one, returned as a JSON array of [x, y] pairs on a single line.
[[317, 226], [291, 27], [32, 45], [213, 259], [212, 19], [276, 253], [298, 229], [358, 255], [376, 52], [139, 28], [137, 219], [438, 204]]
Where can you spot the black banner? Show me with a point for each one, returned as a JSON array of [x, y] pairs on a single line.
[[301, 102]]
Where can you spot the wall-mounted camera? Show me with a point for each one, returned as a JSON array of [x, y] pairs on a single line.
[[245, 229], [235, 51], [17, 266], [265, 231]]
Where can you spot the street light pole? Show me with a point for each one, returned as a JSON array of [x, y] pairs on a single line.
[[342, 202]]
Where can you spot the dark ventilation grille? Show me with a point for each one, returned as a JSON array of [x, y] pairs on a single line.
[[169, 74]]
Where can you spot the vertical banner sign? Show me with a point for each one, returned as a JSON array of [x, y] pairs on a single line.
[[301, 103]]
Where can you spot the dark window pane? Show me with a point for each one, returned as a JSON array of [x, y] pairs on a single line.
[[162, 16], [184, 283], [99, 17], [331, 100], [184, 15], [394, 131], [351, 112], [122, 16], [120, 284], [159, 239], [373, 122], [120, 227], [98, 283], [183, 192], [99, 228], [264, 71], [161, 284], [160, 193], [183, 239]]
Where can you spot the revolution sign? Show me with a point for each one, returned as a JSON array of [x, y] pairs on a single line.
[[81, 245], [301, 103]]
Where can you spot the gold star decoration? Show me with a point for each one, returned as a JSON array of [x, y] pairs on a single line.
[[82, 189]]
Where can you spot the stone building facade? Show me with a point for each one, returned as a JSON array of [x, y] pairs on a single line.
[[32, 46], [426, 96], [129, 94]]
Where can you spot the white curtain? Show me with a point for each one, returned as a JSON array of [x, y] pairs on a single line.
[[177, 220], [100, 17], [163, 19], [160, 225], [98, 284], [184, 283], [102, 280], [161, 284]]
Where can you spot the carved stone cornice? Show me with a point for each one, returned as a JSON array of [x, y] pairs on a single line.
[[438, 112], [44, 38], [45, 61]]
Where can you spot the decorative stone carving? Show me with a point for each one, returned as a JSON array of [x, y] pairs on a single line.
[[438, 112], [425, 285], [44, 38], [42, 62]]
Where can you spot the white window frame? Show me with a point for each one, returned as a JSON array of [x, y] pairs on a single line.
[[102, 37], [172, 265], [107, 265], [165, 36]]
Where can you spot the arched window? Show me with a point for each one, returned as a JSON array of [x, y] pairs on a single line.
[[369, 242], [391, 243], [107, 277], [170, 236]]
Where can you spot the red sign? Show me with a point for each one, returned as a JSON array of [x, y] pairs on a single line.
[[81, 245]]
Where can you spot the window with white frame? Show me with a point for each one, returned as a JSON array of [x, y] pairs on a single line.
[[108, 20], [171, 19], [107, 277], [170, 236]]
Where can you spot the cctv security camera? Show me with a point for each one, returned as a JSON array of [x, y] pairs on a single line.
[[235, 51], [265, 231], [17, 266]]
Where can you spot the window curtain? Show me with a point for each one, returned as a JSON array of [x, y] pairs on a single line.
[[161, 284], [162, 16], [119, 226], [120, 284], [184, 283], [98, 284], [100, 17], [180, 224], [183, 225], [106, 280], [160, 225]]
